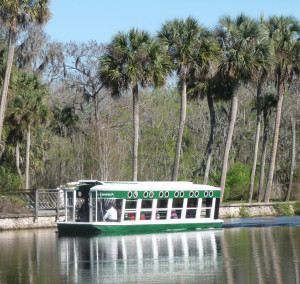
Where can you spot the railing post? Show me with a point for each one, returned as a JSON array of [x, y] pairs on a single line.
[[57, 205], [36, 205]]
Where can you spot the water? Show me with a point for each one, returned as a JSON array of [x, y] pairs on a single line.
[[242, 252]]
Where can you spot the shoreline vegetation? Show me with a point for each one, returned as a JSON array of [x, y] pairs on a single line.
[[213, 106], [18, 221]]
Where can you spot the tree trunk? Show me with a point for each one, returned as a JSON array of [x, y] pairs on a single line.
[[257, 135], [293, 159], [135, 93], [27, 157], [18, 158], [275, 143], [10, 56], [210, 144], [181, 127], [234, 106], [263, 158]]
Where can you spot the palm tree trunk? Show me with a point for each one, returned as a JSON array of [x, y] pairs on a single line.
[[263, 158], [293, 159], [181, 127], [234, 106], [135, 93], [27, 157], [257, 135], [18, 158], [10, 56], [210, 144], [275, 143]]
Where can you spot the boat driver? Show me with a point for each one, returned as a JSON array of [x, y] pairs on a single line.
[[111, 214]]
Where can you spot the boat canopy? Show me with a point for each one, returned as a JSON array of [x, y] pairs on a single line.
[[154, 190]]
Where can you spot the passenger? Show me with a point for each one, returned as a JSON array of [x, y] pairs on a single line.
[[157, 215], [131, 216], [111, 215], [174, 214], [84, 212], [142, 217]]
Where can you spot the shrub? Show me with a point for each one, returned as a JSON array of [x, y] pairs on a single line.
[[297, 207], [282, 209], [243, 212], [12, 205], [237, 182], [9, 180]]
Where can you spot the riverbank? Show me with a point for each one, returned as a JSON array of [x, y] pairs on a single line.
[[235, 210]]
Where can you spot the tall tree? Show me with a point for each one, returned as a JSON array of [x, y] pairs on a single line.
[[134, 60], [238, 38], [284, 33], [268, 103], [293, 159], [29, 109], [189, 45], [263, 55], [214, 88], [14, 14]]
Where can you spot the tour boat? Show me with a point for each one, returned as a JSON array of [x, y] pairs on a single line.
[[139, 206]]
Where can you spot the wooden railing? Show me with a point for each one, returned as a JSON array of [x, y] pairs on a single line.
[[39, 200]]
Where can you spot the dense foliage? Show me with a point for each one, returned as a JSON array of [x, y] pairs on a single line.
[[62, 124]]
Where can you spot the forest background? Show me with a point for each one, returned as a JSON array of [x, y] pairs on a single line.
[[78, 131]]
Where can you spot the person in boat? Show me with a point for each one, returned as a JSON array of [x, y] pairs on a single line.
[[174, 214], [111, 215], [84, 212]]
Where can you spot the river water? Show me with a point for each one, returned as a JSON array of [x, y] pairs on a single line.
[[265, 250]]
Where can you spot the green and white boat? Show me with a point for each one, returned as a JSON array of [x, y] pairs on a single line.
[[141, 206]]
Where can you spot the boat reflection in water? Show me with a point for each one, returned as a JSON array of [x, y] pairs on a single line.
[[143, 258]]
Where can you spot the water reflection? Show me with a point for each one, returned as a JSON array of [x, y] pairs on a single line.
[[236, 255], [142, 258]]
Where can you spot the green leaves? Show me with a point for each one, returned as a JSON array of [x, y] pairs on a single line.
[[133, 58]]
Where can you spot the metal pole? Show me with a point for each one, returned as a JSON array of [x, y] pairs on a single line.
[[36, 205], [57, 205]]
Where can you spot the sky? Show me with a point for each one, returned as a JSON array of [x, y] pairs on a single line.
[[100, 20]]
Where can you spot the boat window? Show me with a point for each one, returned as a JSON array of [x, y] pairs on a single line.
[[192, 203], [177, 206], [178, 203], [163, 203], [130, 204], [146, 203], [205, 207], [146, 209], [161, 212], [191, 208], [130, 210]]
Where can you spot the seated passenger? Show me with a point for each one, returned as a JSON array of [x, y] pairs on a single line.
[[111, 215], [174, 214], [157, 216], [131, 216]]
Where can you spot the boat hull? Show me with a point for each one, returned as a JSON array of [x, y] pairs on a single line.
[[103, 227]]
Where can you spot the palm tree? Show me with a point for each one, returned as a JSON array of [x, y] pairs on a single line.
[[134, 60], [29, 109], [284, 33], [14, 14], [238, 38], [215, 88], [263, 56], [189, 45], [268, 103]]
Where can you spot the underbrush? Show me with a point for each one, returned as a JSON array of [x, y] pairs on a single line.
[[12, 205], [297, 207], [282, 209]]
